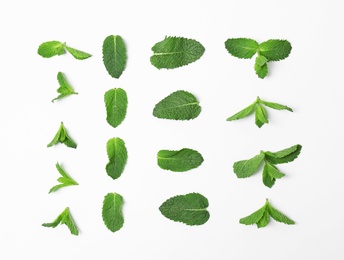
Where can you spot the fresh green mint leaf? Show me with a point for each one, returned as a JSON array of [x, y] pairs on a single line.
[[279, 216], [270, 174], [276, 106], [175, 52], [190, 209], [112, 211], [242, 48], [180, 105], [284, 156], [65, 89], [65, 180], [261, 71], [118, 155], [254, 217], [247, 168], [179, 161], [114, 55], [261, 116], [116, 102], [261, 60], [264, 221], [53, 48], [243, 113], [275, 50], [64, 218], [63, 138]]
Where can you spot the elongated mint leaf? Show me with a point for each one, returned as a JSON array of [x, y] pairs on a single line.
[[79, 55], [247, 168], [261, 116], [114, 55], [275, 50], [64, 218], [180, 105], [243, 113], [190, 209], [112, 211], [65, 89], [65, 180], [118, 155], [254, 217], [284, 156], [63, 138], [51, 48], [179, 161], [279, 216], [242, 48], [276, 106], [174, 52], [116, 102]]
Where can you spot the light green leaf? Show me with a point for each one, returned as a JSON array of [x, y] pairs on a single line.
[[180, 105], [261, 60], [242, 48], [247, 168], [179, 161], [174, 52], [112, 211], [276, 106], [114, 55], [261, 71], [254, 217], [264, 221], [278, 216], [275, 50], [79, 55], [51, 48], [116, 102], [118, 155], [64, 218], [190, 209], [65, 89], [284, 156], [62, 137], [243, 113], [268, 180], [261, 116], [65, 180]]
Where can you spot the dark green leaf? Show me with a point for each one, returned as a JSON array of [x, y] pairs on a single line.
[[241, 47], [112, 211], [284, 156], [114, 55], [275, 50], [118, 155], [116, 102]]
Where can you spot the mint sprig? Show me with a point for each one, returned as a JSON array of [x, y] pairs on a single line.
[[65, 88], [52, 48], [65, 180], [65, 218], [62, 137]]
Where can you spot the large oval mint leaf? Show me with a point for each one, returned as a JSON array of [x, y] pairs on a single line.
[[118, 155], [50, 49], [116, 102], [275, 50], [112, 211], [114, 55], [180, 105], [242, 48], [190, 209], [174, 52], [179, 161]]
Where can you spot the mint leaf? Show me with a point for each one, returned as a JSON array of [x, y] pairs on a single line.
[[114, 55], [270, 174], [180, 105], [51, 48], [174, 52], [190, 209], [64, 218], [116, 102], [63, 138], [65, 180], [261, 71], [179, 161], [254, 217], [79, 55], [260, 112], [247, 168], [261, 60], [264, 221], [278, 216], [242, 48], [275, 50], [118, 155], [112, 211], [65, 89], [284, 156]]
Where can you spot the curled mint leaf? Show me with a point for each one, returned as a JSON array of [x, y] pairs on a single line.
[[65, 218], [118, 155]]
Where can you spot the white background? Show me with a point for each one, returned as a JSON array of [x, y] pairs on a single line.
[[310, 81]]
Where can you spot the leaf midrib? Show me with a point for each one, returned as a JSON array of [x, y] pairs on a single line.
[[184, 105]]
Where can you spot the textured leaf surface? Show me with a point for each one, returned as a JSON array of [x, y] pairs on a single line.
[[254, 217], [247, 168], [179, 161], [270, 174], [116, 102], [64, 218], [51, 48], [279, 216], [114, 55], [264, 221], [275, 50], [174, 52], [112, 211], [63, 137], [261, 71], [284, 156], [268, 181], [65, 89], [276, 106], [190, 209], [243, 113], [118, 155], [242, 48], [65, 180], [180, 105], [261, 116], [79, 55]]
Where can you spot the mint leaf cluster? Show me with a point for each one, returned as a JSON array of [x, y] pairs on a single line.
[[65, 88], [62, 137], [65, 180], [271, 50], [65, 218], [52, 48], [260, 112], [116, 102]]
